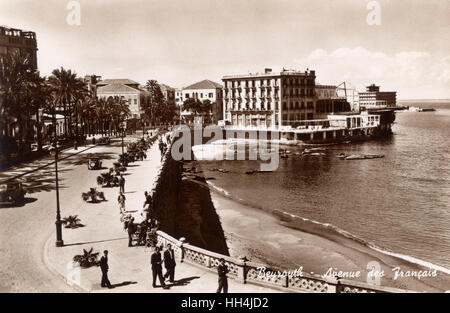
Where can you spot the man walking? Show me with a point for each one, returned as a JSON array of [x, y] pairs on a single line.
[[122, 184], [121, 200], [104, 267], [169, 263], [156, 262], [130, 230], [148, 204], [222, 271]]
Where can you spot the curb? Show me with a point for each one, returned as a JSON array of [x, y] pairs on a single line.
[[53, 269], [44, 166]]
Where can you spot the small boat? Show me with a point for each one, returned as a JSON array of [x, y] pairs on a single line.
[[315, 154], [355, 157], [317, 149], [360, 156], [250, 172], [342, 155], [374, 156]]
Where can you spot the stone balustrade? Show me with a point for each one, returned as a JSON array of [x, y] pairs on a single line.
[[241, 269], [248, 272]]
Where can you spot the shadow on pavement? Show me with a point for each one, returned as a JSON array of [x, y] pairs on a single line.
[[122, 284], [18, 204], [183, 282]]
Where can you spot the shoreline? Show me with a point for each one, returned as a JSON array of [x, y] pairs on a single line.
[[253, 233]]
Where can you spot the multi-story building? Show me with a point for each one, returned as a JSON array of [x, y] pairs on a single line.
[[373, 98], [269, 99], [19, 41], [126, 89], [329, 102], [204, 90]]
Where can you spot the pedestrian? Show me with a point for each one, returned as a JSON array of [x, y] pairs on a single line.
[[131, 230], [169, 263], [143, 233], [122, 183], [222, 271], [104, 267], [121, 200], [147, 204], [156, 262]]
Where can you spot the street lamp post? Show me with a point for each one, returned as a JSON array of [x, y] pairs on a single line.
[[59, 240], [122, 132]]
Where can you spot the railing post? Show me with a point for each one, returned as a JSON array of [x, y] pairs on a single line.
[[241, 272], [182, 242], [207, 259]]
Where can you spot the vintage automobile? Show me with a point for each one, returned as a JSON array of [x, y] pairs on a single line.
[[94, 163], [93, 195], [104, 140], [11, 192], [108, 179]]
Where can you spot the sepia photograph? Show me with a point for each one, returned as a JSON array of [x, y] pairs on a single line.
[[252, 147]]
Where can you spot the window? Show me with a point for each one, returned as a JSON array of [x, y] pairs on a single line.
[[135, 101], [211, 95]]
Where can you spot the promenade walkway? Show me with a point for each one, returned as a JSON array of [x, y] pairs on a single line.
[[129, 267]]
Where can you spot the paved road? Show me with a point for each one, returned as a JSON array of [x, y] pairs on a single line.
[[25, 229]]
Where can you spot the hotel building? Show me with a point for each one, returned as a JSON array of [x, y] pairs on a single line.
[[269, 99]]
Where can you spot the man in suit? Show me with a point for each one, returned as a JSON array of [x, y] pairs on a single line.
[[156, 262], [122, 184], [222, 271], [104, 267], [169, 263], [131, 229]]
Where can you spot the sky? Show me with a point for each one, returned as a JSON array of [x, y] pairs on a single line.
[[180, 42]]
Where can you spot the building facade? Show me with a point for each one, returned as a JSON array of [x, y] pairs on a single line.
[[126, 89], [19, 41], [373, 98], [204, 90], [269, 100], [329, 102]]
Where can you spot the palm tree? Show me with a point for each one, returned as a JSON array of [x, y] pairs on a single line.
[[15, 74], [155, 101], [66, 85]]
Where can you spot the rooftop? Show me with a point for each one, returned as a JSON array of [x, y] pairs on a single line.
[[269, 73], [116, 88], [204, 84], [123, 81]]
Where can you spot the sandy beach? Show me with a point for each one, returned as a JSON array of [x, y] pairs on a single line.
[[265, 238]]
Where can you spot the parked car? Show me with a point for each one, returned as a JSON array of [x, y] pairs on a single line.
[[94, 164], [104, 141], [11, 192]]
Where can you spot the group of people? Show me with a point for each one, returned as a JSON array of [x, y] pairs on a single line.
[[156, 261], [146, 229], [168, 259]]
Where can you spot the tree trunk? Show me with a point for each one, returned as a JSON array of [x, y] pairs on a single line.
[[38, 131]]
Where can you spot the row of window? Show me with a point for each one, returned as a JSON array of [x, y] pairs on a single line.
[[202, 95], [298, 105]]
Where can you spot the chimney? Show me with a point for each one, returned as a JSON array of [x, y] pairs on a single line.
[[267, 70]]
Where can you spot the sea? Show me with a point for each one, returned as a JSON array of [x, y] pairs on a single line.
[[399, 204]]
